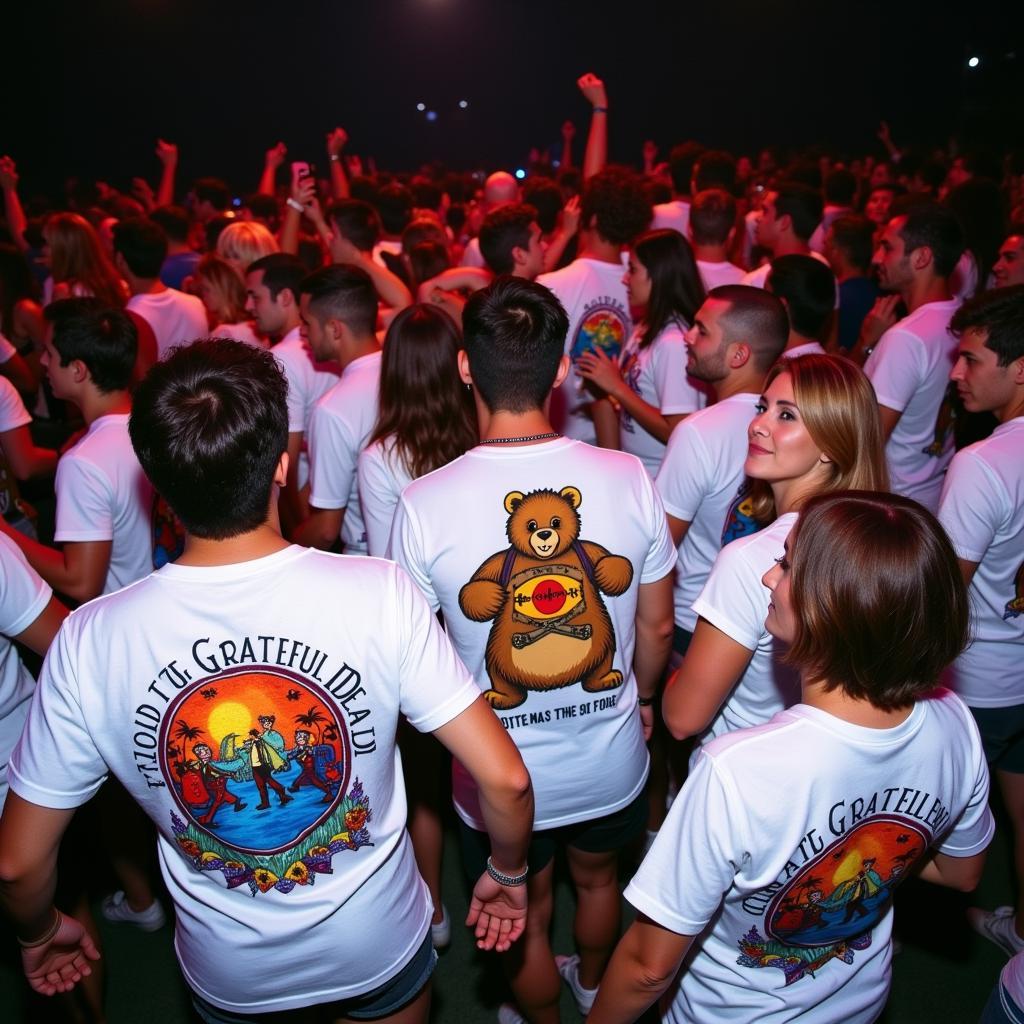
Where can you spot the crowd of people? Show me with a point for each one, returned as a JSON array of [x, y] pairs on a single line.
[[695, 505]]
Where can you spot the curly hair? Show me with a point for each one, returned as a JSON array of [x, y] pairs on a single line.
[[618, 199]]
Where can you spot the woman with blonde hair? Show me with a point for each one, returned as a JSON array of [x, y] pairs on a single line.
[[244, 242], [817, 430], [223, 295], [79, 265]]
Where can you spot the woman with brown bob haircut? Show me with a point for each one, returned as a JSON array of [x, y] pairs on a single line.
[[788, 841], [817, 430]]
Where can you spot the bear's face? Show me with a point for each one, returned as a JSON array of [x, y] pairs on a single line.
[[543, 524]]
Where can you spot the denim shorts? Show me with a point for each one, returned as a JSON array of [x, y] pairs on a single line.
[[382, 1001]]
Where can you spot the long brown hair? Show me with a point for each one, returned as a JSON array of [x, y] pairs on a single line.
[[838, 406], [423, 404], [77, 258], [228, 290]]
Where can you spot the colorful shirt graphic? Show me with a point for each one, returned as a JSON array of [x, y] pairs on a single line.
[[605, 326], [739, 520]]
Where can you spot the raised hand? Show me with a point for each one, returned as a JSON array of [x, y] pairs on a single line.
[[593, 90], [568, 131], [336, 140], [166, 152], [275, 156], [571, 216], [8, 174]]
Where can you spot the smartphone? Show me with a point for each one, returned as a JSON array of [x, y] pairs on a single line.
[[300, 170]]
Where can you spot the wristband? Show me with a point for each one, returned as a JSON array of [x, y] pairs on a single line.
[[645, 702], [46, 937], [335, 156], [600, 110], [295, 205], [501, 878]]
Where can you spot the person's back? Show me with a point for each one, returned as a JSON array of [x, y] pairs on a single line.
[[176, 318]]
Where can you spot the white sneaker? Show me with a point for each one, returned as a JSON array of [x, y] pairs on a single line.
[[508, 1014], [569, 969], [441, 933], [997, 926], [115, 908]]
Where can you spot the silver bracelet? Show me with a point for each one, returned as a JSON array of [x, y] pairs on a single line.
[[295, 204], [502, 879], [46, 937]]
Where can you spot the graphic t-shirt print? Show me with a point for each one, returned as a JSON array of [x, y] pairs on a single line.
[[260, 767]]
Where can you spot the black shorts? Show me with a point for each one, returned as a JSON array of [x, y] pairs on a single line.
[[614, 831], [1002, 736]]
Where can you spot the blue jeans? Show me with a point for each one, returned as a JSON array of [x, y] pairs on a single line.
[[1001, 1009]]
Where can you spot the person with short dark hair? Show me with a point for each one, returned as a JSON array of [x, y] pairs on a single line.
[[807, 288], [103, 500], [891, 783], [675, 214], [338, 305], [712, 228], [210, 198], [357, 221], [551, 562], [789, 215], [614, 210], [213, 648], [181, 259], [714, 168], [910, 359], [840, 190], [394, 205], [1009, 266], [849, 243], [982, 510], [140, 248]]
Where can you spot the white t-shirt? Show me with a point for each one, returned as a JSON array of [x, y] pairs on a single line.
[[982, 509], [242, 331], [308, 382], [102, 494], [544, 621], [595, 299], [472, 256], [176, 318], [342, 423], [736, 601], [13, 413], [23, 598], [193, 655], [806, 349], [382, 478], [699, 478], [715, 274], [800, 831], [674, 214], [909, 369], [758, 277], [657, 374]]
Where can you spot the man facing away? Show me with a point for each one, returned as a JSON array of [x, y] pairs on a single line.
[[239, 622]]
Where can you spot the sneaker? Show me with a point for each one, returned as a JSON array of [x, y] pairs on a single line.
[[569, 969], [997, 926], [508, 1014], [441, 933], [115, 908]]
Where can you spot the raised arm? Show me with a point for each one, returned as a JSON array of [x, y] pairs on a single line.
[[568, 227], [390, 287], [336, 139], [596, 154], [568, 134], [167, 154], [16, 219], [273, 159]]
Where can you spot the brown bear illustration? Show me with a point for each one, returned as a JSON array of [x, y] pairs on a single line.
[[551, 628]]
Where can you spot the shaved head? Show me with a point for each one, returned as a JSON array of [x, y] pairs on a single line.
[[500, 188]]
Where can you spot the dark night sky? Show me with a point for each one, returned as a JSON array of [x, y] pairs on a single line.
[[97, 82]]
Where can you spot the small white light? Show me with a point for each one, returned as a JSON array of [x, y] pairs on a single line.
[[463, 104], [421, 107], [973, 62], [520, 173]]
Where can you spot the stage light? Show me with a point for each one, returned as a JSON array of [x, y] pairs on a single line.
[[431, 115], [973, 62], [520, 173], [421, 107], [463, 104]]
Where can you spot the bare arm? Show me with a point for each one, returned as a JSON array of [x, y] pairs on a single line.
[[677, 527], [167, 153], [568, 133], [273, 159], [606, 423], [596, 154], [39, 634], [569, 226], [963, 873], [472, 278], [655, 624], [879, 319], [390, 287], [642, 967], [25, 459], [320, 529], [79, 569], [20, 374], [890, 417], [967, 570], [16, 219], [710, 669], [336, 140]]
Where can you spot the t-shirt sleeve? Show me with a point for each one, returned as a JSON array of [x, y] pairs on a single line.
[[377, 498], [973, 829], [296, 400], [56, 763], [333, 452], [682, 479], [85, 504], [23, 593], [13, 413], [434, 685], [699, 850], [676, 394], [970, 509], [406, 548], [661, 555], [734, 599], [896, 368]]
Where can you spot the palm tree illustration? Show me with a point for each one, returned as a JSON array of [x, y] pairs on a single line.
[[184, 731], [313, 719]]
